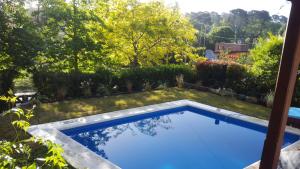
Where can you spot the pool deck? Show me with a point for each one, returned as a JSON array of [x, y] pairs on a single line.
[[81, 157], [289, 158]]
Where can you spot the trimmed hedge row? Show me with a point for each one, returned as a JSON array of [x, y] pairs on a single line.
[[58, 86], [165, 74], [220, 74], [213, 74]]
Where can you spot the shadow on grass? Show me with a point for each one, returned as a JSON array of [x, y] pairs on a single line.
[[49, 112]]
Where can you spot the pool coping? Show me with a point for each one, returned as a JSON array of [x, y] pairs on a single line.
[[81, 157]]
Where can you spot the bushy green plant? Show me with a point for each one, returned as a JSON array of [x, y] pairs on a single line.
[[6, 83], [147, 86], [212, 73], [231, 75], [155, 75], [59, 85], [269, 99], [103, 90], [18, 153], [235, 76], [266, 58]]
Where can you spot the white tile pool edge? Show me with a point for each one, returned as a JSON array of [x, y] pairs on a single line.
[[81, 157]]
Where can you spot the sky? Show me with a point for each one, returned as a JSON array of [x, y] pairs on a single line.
[[279, 7]]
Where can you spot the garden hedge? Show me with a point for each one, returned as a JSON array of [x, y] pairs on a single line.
[[58, 86], [220, 74], [156, 75]]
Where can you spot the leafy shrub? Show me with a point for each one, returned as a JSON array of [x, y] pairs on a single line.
[[6, 83], [147, 86], [230, 75], [129, 86], [19, 153], [235, 76], [155, 75], [266, 58], [201, 59], [103, 90], [212, 73], [58, 86]]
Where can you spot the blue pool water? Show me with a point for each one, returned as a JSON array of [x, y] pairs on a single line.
[[179, 138]]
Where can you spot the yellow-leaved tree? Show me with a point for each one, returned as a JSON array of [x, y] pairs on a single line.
[[141, 34]]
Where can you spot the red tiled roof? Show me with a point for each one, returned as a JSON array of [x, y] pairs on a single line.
[[231, 47]]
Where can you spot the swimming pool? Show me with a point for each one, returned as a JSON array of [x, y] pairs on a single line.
[[174, 135]]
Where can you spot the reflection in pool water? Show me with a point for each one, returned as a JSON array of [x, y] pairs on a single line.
[[96, 139], [180, 138]]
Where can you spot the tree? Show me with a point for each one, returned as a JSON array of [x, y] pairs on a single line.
[[142, 34], [221, 34], [199, 19], [238, 19], [257, 25], [68, 37], [279, 19], [19, 42], [247, 26], [266, 57]]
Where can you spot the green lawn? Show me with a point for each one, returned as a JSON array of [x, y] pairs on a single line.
[[49, 112], [83, 107]]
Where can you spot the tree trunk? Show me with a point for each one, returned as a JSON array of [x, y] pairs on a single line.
[[75, 36], [135, 61]]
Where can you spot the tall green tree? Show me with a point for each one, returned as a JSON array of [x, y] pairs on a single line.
[[19, 42], [68, 37], [141, 34], [247, 26], [238, 20], [257, 25], [220, 34]]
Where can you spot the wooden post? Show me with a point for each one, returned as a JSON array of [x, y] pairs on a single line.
[[284, 90]]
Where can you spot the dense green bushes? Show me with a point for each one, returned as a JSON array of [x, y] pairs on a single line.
[[6, 83], [212, 73], [220, 74], [58, 86], [165, 74]]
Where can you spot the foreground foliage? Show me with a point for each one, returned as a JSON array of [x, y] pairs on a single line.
[[19, 152]]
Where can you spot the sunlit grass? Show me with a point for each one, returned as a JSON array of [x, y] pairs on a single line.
[[49, 112], [82, 107]]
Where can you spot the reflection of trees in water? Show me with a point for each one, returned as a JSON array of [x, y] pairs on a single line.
[[96, 139], [149, 126]]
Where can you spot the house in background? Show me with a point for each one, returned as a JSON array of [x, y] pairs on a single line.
[[231, 50]]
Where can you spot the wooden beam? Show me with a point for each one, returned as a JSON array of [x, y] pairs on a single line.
[[284, 90]]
